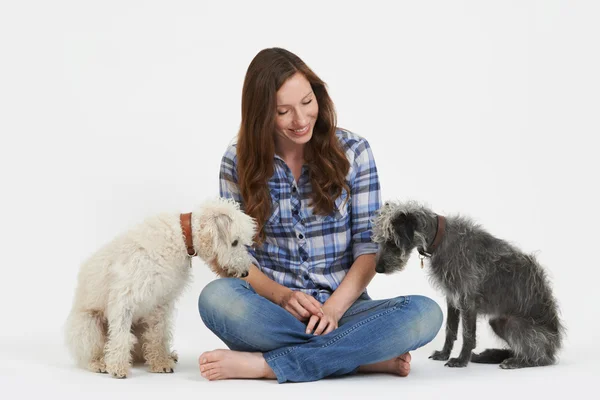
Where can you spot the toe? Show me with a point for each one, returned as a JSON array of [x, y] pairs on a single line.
[[213, 375], [406, 357], [209, 356], [203, 359], [403, 366], [209, 366]]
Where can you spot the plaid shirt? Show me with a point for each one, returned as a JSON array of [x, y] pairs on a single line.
[[304, 251]]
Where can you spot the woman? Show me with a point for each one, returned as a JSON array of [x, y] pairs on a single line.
[[303, 312]]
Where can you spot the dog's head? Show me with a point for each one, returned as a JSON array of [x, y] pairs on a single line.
[[396, 231], [225, 234]]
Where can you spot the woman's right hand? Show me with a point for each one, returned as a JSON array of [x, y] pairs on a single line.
[[301, 305]]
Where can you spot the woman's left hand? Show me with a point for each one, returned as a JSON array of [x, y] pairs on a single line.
[[327, 323]]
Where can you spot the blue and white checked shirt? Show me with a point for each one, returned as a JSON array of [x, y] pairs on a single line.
[[307, 252]]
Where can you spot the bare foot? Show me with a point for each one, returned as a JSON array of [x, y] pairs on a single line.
[[228, 364], [399, 366]]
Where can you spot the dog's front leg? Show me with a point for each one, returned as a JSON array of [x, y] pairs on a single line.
[[451, 332], [469, 322], [117, 351], [157, 338]]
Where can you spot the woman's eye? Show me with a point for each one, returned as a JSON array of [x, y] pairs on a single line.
[[308, 102], [282, 112]]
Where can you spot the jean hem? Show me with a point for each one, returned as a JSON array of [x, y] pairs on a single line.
[[275, 368]]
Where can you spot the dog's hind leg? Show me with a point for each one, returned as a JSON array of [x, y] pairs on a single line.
[[531, 344], [469, 324], [494, 356], [451, 333], [86, 336], [157, 338]]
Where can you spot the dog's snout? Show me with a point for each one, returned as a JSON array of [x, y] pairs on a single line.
[[379, 269], [244, 274]]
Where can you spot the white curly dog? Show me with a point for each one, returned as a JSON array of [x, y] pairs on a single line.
[[126, 290]]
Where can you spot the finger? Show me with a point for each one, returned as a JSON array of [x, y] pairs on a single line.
[[311, 323], [297, 316], [296, 306], [308, 303], [317, 304], [294, 313], [330, 328], [321, 326]]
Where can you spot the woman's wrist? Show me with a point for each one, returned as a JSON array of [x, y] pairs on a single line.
[[334, 308], [266, 287], [279, 294]]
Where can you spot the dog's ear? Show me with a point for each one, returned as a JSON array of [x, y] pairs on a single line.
[[223, 227], [404, 226]]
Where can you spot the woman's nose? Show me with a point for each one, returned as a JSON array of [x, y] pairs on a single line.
[[300, 119]]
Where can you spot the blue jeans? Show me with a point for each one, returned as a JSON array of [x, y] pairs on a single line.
[[370, 331]]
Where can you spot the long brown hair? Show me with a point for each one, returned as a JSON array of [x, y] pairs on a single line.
[[323, 154]]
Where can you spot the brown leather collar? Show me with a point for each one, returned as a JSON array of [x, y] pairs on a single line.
[[439, 235], [186, 227]]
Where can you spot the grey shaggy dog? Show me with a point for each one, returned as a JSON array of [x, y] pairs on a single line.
[[479, 275]]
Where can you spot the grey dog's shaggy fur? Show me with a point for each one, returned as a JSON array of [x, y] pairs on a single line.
[[479, 274]]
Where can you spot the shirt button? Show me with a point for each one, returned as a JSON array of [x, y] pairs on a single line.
[[300, 236], [306, 276], [294, 189], [304, 257], [315, 294], [295, 212]]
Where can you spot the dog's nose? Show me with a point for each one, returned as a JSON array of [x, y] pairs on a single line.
[[244, 274], [379, 269]]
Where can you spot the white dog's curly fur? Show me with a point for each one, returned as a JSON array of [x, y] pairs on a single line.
[[126, 291]]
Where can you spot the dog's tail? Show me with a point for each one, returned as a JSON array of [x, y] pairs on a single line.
[[85, 333], [491, 356]]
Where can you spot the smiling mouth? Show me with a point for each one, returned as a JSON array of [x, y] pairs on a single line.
[[300, 131]]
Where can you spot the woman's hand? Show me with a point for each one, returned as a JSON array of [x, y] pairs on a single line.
[[301, 305], [325, 324]]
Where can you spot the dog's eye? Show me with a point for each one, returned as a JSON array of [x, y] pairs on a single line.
[[235, 242]]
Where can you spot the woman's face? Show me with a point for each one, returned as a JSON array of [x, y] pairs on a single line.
[[297, 111]]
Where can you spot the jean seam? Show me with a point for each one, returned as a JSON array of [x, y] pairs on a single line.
[[359, 310], [371, 318], [283, 353], [384, 312]]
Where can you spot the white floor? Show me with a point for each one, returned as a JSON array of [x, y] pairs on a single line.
[[31, 365]]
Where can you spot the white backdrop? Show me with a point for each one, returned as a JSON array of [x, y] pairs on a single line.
[[113, 110]]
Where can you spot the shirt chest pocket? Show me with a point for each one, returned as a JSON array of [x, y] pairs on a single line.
[[340, 214]]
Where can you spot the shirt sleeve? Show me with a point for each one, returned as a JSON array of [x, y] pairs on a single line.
[[228, 187], [366, 200]]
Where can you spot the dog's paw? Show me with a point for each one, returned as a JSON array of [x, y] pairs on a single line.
[[119, 371], [174, 356], [97, 366], [439, 356], [162, 366], [457, 363]]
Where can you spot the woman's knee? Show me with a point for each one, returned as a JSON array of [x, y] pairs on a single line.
[[216, 297], [429, 317]]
